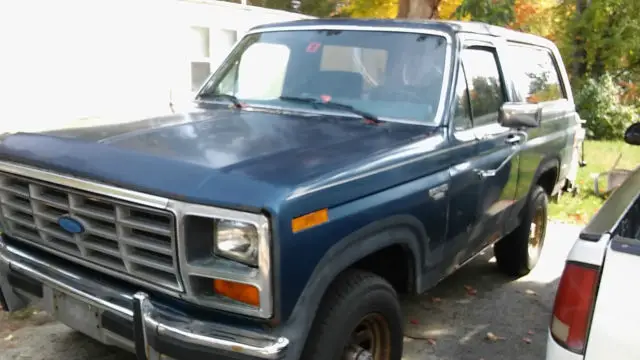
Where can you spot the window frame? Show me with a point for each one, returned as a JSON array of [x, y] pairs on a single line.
[[462, 73], [441, 111], [510, 44], [494, 49]]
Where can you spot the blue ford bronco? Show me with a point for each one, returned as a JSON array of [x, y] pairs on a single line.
[[326, 166]]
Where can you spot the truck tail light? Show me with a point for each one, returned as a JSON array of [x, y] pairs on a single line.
[[573, 306]]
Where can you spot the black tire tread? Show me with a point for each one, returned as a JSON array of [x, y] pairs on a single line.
[[336, 295]]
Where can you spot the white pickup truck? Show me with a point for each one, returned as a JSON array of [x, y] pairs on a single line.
[[596, 314]]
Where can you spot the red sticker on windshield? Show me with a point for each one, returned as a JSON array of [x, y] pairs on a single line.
[[313, 47]]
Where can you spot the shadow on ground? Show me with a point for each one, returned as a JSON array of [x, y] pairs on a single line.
[[452, 320]]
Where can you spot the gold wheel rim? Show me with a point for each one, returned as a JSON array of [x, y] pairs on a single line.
[[536, 234], [370, 340]]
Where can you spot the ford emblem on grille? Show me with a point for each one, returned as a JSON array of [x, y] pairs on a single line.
[[70, 225]]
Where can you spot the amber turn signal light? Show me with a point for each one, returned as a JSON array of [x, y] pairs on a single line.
[[310, 220], [245, 293]]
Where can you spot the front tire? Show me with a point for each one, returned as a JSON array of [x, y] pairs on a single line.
[[518, 253], [359, 316]]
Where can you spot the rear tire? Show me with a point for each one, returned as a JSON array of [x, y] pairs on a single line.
[[360, 313], [518, 253]]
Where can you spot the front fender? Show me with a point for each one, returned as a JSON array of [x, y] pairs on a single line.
[[403, 230]]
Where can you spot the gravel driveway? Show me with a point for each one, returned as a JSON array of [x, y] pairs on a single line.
[[474, 314]]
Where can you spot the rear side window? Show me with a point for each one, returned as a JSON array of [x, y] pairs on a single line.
[[535, 74]]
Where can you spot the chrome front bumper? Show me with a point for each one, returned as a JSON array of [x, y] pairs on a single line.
[[123, 316]]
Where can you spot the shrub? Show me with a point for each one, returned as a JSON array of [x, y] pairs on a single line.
[[599, 103]]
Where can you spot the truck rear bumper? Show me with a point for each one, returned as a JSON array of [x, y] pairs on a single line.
[[123, 317]]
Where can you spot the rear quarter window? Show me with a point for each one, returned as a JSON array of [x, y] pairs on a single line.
[[535, 74]]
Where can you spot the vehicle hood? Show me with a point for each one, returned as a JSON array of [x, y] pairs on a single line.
[[229, 157]]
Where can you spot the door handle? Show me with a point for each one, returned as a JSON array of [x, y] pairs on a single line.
[[483, 174]]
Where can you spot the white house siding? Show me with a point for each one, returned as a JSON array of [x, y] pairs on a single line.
[[83, 62]]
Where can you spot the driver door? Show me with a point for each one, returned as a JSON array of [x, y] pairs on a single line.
[[496, 150]]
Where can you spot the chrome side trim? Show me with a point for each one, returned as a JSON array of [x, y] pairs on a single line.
[[260, 278]]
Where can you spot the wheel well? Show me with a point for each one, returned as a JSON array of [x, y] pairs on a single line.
[[393, 263], [548, 180]]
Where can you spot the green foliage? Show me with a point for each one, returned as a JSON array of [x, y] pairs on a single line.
[[598, 102], [607, 35], [600, 157], [495, 12]]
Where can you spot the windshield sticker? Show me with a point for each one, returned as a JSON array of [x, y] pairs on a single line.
[[313, 47]]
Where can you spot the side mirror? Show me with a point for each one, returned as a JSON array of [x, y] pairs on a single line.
[[632, 135], [519, 115]]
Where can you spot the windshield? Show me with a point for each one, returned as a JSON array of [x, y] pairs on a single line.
[[390, 75]]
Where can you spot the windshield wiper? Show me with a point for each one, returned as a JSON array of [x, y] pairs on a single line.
[[332, 104], [231, 98]]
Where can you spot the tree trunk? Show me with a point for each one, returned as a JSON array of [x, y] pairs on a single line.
[[418, 9], [580, 54]]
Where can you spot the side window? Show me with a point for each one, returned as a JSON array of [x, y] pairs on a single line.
[[461, 113], [535, 74], [485, 88]]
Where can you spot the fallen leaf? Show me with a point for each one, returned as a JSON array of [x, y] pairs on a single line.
[[470, 290], [527, 340], [431, 341], [414, 322], [530, 292], [436, 300], [9, 337], [493, 337], [530, 332]]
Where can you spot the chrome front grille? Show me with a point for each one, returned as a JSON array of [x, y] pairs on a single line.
[[130, 239]]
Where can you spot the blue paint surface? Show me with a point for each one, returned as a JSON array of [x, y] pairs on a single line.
[[70, 225]]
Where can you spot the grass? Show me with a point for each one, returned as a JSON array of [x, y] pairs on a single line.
[[600, 156]]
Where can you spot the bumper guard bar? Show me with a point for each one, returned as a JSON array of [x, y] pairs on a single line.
[[151, 324]]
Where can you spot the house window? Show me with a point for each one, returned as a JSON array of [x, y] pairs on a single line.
[[208, 47]]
